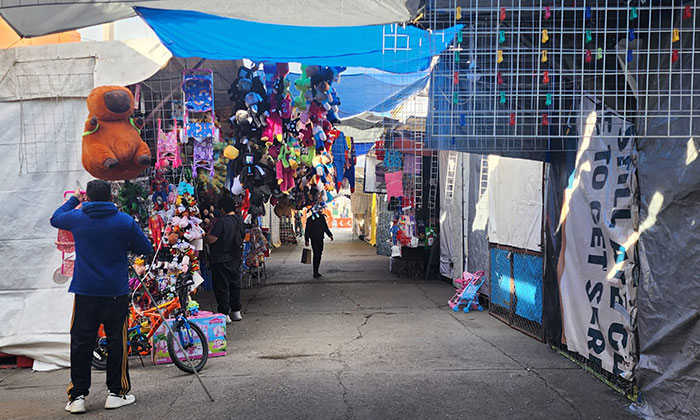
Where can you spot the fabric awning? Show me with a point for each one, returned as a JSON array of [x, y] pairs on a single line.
[[41, 17], [393, 48]]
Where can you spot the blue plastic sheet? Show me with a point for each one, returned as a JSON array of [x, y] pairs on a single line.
[[391, 48], [373, 91]]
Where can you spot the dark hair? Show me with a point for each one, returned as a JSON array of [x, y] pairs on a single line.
[[98, 190], [227, 204]]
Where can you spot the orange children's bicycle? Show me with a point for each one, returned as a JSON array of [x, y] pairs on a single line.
[[144, 324]]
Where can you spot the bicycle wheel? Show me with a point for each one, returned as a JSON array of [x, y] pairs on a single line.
[[99, 354], [193, 340]]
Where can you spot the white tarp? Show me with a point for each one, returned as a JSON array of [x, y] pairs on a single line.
[[598, 255], [39, 160], [73, 69], [41, 17], [34, 311], [515, 202], [452, 214]]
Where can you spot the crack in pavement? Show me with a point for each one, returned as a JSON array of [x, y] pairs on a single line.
[[523, 366], [342, 293], [425, 292], [178, 395], [336, 356]]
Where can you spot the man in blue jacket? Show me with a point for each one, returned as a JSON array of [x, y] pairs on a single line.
[[103, 237]]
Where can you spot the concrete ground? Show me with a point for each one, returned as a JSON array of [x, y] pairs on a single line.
[[359, 344]]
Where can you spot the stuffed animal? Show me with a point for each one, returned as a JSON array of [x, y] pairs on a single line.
[[112, 146]]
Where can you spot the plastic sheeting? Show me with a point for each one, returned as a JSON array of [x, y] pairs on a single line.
[[35, 312], [452, 239], [515, 202], [373, 91], [74, 69], [395, 48], [41, 17], [669, 290]]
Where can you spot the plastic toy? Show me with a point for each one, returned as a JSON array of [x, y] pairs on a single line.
[[547, 13], [467, 293], [112, 145], [499, 56], [544, 56], [499, 78], [545, 36], [502, 16], [589, 56], [545, 119], [676, 35], [66, 244], [168, 148], [687, 12], [512, 119], [545, 77]]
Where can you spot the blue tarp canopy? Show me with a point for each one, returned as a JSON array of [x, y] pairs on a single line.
[[393, 48], [373, 90]]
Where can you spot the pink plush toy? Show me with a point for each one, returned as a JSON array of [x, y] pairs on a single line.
[[273, 129]]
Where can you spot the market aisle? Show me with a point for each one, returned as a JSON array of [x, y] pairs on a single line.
[[359, 344]]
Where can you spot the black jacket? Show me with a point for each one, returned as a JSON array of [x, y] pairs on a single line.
[[316, 227]]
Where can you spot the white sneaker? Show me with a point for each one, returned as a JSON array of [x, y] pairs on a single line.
[[77, 406], [228, 319], [236, 316], [116, 400]]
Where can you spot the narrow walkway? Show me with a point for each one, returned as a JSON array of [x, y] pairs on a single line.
[[356, 344]]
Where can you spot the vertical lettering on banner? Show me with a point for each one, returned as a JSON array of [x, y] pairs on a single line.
[[597, 298]]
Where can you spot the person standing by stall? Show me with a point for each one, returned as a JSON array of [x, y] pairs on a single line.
[[225, 241], [316, 228], [103, 237]]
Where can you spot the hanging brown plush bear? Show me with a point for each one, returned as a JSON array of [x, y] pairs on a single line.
[[112, 146]]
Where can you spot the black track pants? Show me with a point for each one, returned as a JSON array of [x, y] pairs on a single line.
[[88, 313]]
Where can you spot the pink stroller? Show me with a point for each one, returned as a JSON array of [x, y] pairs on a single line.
[[468, 292]]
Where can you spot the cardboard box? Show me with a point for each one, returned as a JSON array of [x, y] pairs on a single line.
[[213, 326]]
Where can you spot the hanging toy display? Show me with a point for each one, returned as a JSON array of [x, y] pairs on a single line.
[[112, 146], [283, 145], [168, 147]]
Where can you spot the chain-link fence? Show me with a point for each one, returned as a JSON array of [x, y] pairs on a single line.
[[516, 288]]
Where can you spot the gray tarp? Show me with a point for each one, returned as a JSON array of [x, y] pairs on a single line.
[[41, 17], [452, 241], [669, 292]]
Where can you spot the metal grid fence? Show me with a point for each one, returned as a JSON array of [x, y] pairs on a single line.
[[516, 77], [51, 118], [516, 289]]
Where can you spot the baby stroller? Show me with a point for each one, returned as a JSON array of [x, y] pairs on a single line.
[[468, 292]]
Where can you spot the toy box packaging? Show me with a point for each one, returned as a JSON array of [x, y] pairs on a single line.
[[213, 326]]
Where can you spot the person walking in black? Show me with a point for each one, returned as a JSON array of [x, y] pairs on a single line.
[[226, 251], [316, 228], [103, 237]]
